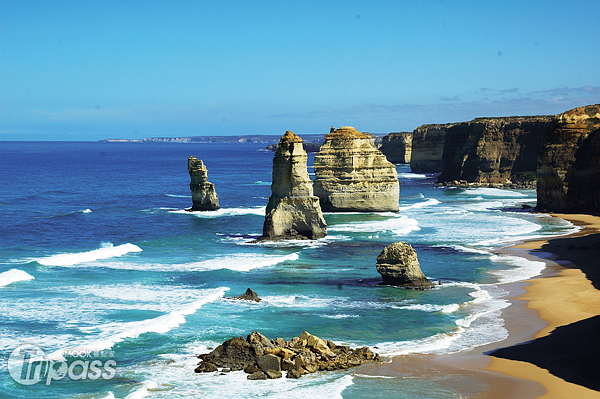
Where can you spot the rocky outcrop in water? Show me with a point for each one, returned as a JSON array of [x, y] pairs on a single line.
[[428, 148], [263, 358], [495, 150], [397, 147], [293, 211], [399, 266], [569, 164], [204, 196], [249, 295], [351, 175]]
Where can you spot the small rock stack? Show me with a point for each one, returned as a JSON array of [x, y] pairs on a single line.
[[399, 266], [204, 196], [263, 358]]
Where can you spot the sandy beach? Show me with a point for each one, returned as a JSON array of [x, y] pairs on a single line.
[[552, 350], [563, 358]]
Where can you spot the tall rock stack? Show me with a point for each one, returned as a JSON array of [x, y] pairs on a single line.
[[351, 175], [569, 163], [204, 196], [398, 265], [293, 211]]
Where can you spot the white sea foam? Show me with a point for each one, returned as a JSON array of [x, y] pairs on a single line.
[[260, 211], [88, 210], [178, 196], [433, 308], [493, 192], [522, 269], [172, 377], [104, 336], [399, 226], [237, 262], [339, 316], [482, 325], [262, 183], [429, 202], [105, 252], [414, 176], [13, 276]]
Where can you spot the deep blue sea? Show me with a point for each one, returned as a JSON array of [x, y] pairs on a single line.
[[100, 263]]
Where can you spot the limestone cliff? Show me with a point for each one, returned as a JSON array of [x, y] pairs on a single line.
[[494, 150], [352, 175], [398, 265], [569, 164], [204, 196], [428, 147], [397, 147], [293, 211]]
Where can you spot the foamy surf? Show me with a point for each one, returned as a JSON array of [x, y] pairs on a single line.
[[399, 226], [104, 336], [13, 276], [521, 269], [105, 252], [260, 211]]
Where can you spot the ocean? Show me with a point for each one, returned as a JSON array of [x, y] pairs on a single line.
[[103, 271]]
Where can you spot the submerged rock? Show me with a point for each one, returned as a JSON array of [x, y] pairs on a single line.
[[352, 175], [293, 211], [204, 196], [249, 295], [399, 266], [262, 358]]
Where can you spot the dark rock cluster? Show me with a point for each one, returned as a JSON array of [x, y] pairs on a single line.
[[262, 358]]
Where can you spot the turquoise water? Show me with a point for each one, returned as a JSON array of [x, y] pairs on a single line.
[[99, 261]]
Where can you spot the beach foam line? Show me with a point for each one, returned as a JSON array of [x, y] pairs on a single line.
[[13, 276], [106, 335], [105, 252], [523, 269], [399, 226], [453, 307]]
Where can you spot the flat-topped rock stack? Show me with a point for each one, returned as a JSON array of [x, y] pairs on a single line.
[[263, 358], [352, 175], [293, 211], [397, 147], [204, 196]]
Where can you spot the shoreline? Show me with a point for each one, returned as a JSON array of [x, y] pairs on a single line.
[[562, 356], [561, 297]]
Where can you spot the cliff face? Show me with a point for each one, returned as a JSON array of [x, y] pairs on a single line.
[[204, 196], [569, 164], [494, 150], [352, 175], [293, 211], [428, 148], [397, 147]]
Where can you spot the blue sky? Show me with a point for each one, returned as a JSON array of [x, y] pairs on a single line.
[[83, 70]]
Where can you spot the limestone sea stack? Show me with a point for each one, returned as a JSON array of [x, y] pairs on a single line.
[[204, 196], [352, 175], [399, 266], [293, 211], [568, 169]]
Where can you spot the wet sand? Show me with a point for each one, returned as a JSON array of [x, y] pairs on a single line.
[[553, 348]]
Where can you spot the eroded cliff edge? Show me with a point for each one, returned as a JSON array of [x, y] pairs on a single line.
[[569, 163], [495, 150], [397, 147], [352, 175]]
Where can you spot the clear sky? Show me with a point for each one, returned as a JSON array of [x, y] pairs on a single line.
[[88, 70]]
